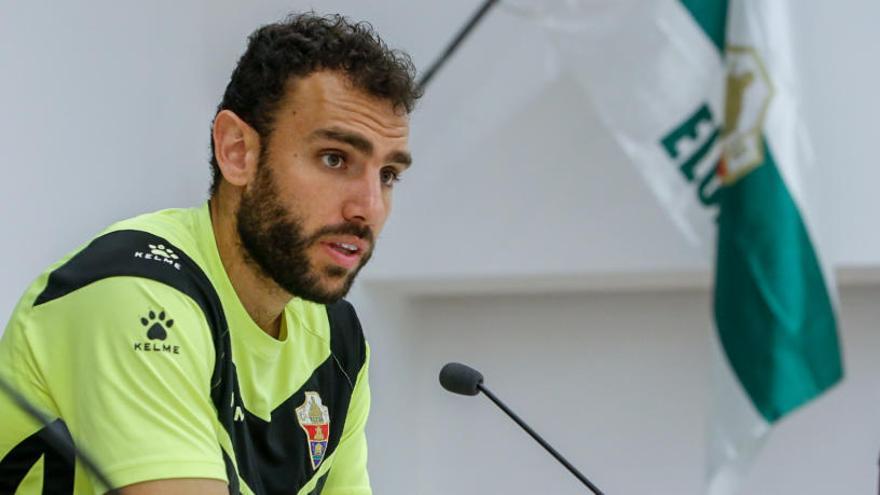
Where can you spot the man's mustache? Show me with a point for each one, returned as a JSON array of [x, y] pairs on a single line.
[[360, 231]]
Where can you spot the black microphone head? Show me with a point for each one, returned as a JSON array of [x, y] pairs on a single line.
[[460, 379]]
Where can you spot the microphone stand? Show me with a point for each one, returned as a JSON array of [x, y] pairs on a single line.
[[57, 440], [573, 470]]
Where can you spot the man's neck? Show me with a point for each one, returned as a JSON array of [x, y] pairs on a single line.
[[261, 297]]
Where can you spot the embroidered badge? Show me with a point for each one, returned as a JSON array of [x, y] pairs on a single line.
[[314, 418]]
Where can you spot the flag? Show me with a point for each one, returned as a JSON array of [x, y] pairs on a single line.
[[701, 96]]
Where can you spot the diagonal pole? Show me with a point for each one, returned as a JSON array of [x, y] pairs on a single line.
[[451, 47]]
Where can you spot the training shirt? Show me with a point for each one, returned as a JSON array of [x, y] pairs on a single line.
[[137, 347]]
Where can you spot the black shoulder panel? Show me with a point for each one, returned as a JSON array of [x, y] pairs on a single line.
[[133, 253], [141, 254]]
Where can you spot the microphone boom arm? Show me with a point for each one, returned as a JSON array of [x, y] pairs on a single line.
[[573, 470]]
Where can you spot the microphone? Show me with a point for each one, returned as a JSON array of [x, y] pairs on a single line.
[[61, 443], [462, 379]]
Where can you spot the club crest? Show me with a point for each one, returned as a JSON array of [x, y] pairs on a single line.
[[314, 418], [749, 92]]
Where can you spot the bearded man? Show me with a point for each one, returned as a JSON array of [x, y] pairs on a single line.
[[209, 350]]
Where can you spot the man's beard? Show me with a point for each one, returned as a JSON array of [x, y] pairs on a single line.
[[274, 239]]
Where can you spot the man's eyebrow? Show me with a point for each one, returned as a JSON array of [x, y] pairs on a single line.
[[361, 144], [401, 158], [352, 139]]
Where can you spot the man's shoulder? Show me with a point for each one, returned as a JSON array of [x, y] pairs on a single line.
[[156, 247], [131, 275], [178, 226]]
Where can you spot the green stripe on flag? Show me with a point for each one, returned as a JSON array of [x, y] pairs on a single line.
[[711, 15], [772, 307]]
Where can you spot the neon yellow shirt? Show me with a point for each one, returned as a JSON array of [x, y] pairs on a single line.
[[138, 345]]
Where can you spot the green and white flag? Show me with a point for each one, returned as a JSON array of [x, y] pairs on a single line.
[[701, 95]]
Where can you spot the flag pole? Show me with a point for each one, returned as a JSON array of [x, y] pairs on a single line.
[[452, 46]]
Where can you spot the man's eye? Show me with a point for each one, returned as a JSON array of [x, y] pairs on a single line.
[[332, 160], [389, 177]]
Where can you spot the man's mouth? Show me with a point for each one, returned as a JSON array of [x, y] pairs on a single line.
[[345, 248], [345, 254]]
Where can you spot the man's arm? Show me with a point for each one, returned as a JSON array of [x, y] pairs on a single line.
[[177, 487], [129, 362]]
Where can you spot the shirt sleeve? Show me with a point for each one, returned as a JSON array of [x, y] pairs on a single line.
[[348, 475], [128, 362]]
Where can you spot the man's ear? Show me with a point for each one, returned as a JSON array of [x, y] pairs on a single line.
[[236, 147]]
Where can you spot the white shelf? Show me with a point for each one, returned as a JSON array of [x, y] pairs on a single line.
[[611, 282]]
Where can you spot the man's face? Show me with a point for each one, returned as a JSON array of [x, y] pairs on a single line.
[[322, 191]]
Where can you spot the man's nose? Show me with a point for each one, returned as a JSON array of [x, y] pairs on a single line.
[[365, 203]]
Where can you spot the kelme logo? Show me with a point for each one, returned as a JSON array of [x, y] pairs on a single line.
[[161, 250], [156, 326], [159, 253]]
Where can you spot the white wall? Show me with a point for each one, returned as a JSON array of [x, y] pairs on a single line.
[[517, 219], [524, 170], [617, 382], [106, 108]]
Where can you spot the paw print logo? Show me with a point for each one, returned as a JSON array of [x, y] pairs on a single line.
[[161, 250], [156, 325]]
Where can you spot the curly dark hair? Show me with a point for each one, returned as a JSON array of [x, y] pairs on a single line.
[[303, 44]]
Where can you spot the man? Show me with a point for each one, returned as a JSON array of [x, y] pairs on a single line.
[[209, 350]]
